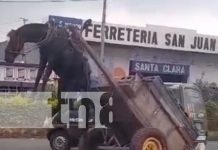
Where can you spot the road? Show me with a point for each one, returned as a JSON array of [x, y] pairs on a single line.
[[212, 146], [42, 144], [24, 144]]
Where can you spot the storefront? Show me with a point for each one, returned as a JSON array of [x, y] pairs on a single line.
[[175, 54]]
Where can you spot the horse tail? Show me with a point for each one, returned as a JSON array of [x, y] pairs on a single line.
[[86, 24]]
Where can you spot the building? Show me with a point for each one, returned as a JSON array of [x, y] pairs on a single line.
[[19, 76], [175, 54]]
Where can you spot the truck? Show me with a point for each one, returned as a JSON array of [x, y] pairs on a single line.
[[166, 116], [146, 116]]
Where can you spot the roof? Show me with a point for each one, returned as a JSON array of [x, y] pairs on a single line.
[[19, 65]]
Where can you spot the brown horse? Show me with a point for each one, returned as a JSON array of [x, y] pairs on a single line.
[[56, 52]]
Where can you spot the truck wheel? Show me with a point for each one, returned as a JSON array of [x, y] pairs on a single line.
[[91, 139], [59, 140], [148, 139]]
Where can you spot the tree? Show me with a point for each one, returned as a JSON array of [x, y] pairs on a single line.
[[210, 95]]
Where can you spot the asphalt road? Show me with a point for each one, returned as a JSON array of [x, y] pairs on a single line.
[[24, 144], [212, 146], [42, 144]]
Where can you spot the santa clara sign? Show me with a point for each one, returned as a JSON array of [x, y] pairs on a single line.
[[158, 68]]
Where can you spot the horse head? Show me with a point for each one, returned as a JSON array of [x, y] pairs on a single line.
[[27, 33], [14, 47]]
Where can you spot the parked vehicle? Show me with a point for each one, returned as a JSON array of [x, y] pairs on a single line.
[[189, 97]]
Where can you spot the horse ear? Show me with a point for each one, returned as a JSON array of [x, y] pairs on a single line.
[[86, 24], [12, 33]]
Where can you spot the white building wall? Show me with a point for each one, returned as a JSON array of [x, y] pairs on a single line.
[[201, 64], [205, 67]]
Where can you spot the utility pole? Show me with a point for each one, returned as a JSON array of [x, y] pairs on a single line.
[[24, 20], [24, 55], [103, 30]]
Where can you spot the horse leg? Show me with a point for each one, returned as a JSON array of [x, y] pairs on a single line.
[[48, 72], [42, 65]]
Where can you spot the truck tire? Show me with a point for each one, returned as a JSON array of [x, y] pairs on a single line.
[[91, 139], [148, 139], [59, 140]]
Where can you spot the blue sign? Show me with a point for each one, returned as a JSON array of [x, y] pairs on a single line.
[[158, 68], [65, 21]]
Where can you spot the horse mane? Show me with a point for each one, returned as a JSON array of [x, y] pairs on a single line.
[[32, 26], [27, 27], [46, 25]]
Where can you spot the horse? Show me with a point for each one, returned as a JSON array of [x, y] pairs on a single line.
[[62, 56]]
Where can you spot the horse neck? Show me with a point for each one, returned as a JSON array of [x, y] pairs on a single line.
[[33, 33]]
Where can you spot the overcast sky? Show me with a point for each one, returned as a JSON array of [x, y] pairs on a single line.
[[200, 15]]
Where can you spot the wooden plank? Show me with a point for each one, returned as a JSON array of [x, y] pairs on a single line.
[[138, 114]]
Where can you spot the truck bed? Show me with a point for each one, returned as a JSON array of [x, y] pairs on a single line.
[[146, 103]]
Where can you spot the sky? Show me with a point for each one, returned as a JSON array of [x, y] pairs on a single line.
[[200, 15]]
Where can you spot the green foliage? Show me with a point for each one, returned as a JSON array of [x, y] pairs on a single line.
[[19, 110], [210, 95], [209, 90], [212, 109], [53, 102], [18, 100]]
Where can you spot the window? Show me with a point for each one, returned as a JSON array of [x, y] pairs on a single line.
[[21, 73], [33, 74], [9, 73]]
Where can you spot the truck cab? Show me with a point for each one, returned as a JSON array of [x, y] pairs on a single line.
[[189, 98]]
